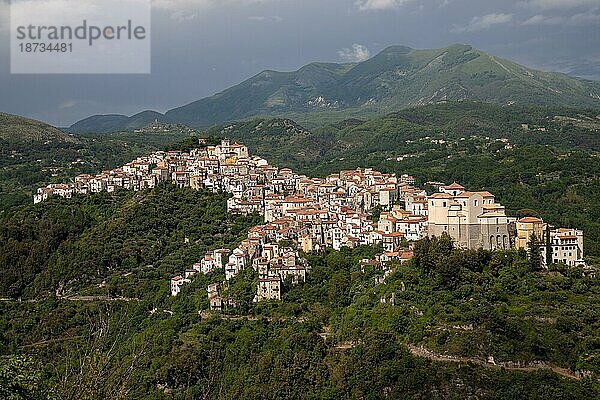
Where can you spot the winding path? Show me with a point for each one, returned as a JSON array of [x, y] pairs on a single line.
[[425, 353]]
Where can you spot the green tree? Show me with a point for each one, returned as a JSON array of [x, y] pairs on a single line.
[[432, 253], [22, 379], [533, 252], [548, 245]]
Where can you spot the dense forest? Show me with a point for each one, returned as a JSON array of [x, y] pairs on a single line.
[[96, 320], [85, 310], [63, 246]]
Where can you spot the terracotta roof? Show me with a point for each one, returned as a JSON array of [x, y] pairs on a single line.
[[407, 255], [454, 186], [470, 194], [530, 220], [393, 234]]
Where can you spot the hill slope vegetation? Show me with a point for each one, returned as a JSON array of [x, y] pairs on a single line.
[[97, 320]]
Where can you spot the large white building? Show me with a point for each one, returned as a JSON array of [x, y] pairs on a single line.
[[472, 219]]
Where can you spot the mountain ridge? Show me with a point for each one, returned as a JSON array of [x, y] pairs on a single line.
[[18, 129], [397, 78]]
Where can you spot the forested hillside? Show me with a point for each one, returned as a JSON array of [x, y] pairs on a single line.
[[86, 245], [332, 337], [86, 311]]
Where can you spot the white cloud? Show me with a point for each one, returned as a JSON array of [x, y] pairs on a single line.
[[181, 16], [558, 4], [484, 22], [266, 18], [357, 53], [581, 19], [544, 20], [181, 5], [68, 104], [586, 18], [367, 5]]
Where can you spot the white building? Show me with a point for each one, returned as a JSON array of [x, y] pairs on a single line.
[[176, 283], [268, 289], [566, 247]]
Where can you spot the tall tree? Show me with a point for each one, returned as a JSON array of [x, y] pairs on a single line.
[[548, 246], [533, 251]]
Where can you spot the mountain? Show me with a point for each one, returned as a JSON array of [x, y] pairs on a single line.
[[86, 310], [397, 78], [116, 122], [20, 130]]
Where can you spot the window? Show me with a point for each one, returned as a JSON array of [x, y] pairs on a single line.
[[476, 203]]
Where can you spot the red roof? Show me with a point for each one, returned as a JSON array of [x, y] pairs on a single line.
[[454, 186], [530, 220]]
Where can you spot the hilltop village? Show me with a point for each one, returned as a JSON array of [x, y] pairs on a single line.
[[311, 214]]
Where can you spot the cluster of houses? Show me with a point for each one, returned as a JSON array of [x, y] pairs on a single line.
[[556, 246], [311, 214]]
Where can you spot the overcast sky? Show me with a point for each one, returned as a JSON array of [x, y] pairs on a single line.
[[200, 47]]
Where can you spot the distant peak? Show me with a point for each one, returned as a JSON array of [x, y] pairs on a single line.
[[397, 49], [461, 46]]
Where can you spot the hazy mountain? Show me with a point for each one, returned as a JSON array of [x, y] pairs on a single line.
[[397, 78], [116, 122], [16, 129]]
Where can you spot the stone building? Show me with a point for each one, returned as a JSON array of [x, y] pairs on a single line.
[[472, 219]]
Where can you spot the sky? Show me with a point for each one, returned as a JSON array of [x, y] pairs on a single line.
[[201, 47]]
